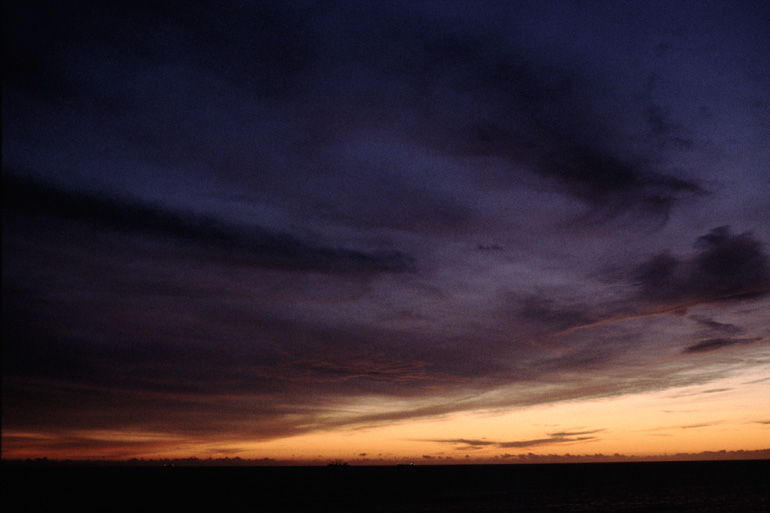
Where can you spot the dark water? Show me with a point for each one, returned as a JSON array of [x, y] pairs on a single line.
[[707, 487]]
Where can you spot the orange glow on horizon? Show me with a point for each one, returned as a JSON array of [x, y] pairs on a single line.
[[723, 415]]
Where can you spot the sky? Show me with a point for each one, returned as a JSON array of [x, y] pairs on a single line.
[[378, 231]]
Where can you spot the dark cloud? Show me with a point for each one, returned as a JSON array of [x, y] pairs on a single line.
[[663, 131], [467, 442], [258, 246], [530, 114], [547, 313], [714, 344], [725, 266], [263, 48], [544, 441], [605, 178], [490, 247], [715, 390], [213, 215], [565, 434], [553, 438], [718, 326], [268, 94]]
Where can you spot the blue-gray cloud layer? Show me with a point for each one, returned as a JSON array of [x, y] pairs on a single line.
[[242, 218]]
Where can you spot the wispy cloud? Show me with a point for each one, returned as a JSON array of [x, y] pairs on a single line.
[[717, 326], [256, 245], [564, 437], [715, 344]]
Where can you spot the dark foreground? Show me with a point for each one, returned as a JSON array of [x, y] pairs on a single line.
[[703, 487]]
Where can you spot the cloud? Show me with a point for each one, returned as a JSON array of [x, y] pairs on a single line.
[[718, 326], [546, 312], [725, 266], [275, 118], [552, 439], [531, 115], [267, 46], [714, 344], [256, 245], [564, 434], [262, 214], [467, 442], [662, 130], [601, 177]]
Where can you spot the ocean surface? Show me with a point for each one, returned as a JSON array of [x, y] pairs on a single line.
[[704, 487]]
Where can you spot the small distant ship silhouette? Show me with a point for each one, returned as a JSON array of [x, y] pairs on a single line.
[[338, 463]]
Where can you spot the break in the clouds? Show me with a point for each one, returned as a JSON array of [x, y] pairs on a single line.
[[259, 220]]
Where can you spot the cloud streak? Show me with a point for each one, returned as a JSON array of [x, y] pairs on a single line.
[[715, 344], [259, 246], [552, 439]]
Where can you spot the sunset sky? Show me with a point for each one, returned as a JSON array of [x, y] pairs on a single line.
[[385, 230]]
